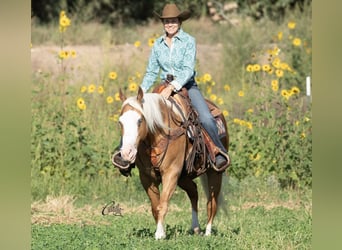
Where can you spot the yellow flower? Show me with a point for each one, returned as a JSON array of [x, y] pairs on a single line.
[[62, 14], [266, 67], [275, 88], [115, 117], [151, 41], [112, 75], [285, 94], [297, 42], [256, 67], [83, 89], [207, 77], [236, 120], [276, 62], [225, 113], [242, 123], [137, 44], [274, 83], [226, 87], [249, 125], [255, 157], [209, 90], [241, 93], [302, 136], [198, 79], [250, 110], [295, 90], [291, 25], [249, 68], [138, 75], [109, 99], [117, 97], [213, 97], [100, 90], [91, 88], [306, 119], [73, 53], [297, 123], [279, 73], [81, 104], [280, 35], [220, 101], [133, 87], [63, 54]]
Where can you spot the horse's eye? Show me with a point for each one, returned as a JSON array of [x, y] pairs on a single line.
[[140, 121]]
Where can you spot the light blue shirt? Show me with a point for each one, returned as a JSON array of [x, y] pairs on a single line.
[[178, 60]]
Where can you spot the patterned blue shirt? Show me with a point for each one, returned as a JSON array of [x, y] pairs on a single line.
[[179, 60]]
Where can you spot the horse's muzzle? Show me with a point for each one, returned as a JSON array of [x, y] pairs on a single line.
[[119, 162]]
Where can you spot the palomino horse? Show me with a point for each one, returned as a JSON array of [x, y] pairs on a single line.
[[153, 139]]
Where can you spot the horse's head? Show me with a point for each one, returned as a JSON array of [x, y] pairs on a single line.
[[133, 125]]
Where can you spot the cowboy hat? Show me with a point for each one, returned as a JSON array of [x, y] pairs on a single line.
[[172, 11]]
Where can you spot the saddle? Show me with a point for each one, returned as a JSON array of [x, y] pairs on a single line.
[[203, 150]]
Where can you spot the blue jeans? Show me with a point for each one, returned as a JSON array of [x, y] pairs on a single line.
[[205, 117]]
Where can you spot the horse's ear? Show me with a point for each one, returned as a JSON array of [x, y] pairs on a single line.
[[122, 96], [140, 94]]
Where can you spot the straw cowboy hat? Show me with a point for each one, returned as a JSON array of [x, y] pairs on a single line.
[[172, 11]]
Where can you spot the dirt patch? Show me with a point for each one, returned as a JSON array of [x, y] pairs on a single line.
[[95, 60], [62, 210]]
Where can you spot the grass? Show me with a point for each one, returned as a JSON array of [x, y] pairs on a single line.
[[259, 216]]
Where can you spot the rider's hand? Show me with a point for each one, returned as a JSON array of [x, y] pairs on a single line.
[[166, 92]]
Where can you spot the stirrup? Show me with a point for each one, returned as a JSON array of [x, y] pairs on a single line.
[[221, 169], [119, 162]]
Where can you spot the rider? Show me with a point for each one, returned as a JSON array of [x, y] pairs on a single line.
[[175, 53]]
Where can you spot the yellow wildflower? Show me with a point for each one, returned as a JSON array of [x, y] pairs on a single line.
[[291, 25], [285, 94], [209, 90], [266, 67], [280, 35], [73, 53], [117, 97], [81, 104], [151, 41], [297, 42], [213, 97], [133, 87], [225, 113], [249, 125], [220, 101], [63, 54], [100, 90], [112, 75], [207, 77], [83, 89], [276, 62], [137, 44], [295, 90], [109, 99], [279, 73], [249, 68], [241, 93], [250, 110], [256, 67], [91, 88], [236, 120], [242, 123], [226, 87]]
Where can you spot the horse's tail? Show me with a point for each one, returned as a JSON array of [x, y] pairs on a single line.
[[222, 202]]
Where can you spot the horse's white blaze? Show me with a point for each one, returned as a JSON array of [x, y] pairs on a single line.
[[160, 233], [129, 121]]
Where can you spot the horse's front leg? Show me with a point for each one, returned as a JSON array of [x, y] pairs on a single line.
[[151, 187], [169, 181]]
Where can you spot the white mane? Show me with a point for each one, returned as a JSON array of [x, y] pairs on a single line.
[[150, 109]]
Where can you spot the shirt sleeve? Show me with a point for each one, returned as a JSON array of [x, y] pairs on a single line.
[[152, 71]]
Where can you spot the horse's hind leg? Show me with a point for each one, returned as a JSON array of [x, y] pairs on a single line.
[[214, 188], [190, 187]]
